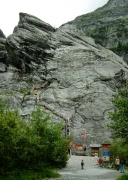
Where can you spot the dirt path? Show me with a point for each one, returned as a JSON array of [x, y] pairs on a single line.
[[91, 170]]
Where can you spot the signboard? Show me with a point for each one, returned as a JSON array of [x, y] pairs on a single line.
[[106, 153], [106, 158]]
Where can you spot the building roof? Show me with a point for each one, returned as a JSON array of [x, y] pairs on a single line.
[[106, 144], [95, 145]]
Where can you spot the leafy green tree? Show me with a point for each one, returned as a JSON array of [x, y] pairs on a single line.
[[118, 148], [119, 117], [119, 45], [50, 138], [31, 145], [10, 132]]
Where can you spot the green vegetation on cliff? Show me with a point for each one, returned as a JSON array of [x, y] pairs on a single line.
[[108, 26]]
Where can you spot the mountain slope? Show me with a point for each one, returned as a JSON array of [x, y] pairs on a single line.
[[108, 25]]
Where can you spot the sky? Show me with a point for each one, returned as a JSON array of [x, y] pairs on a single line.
[[53, 12]]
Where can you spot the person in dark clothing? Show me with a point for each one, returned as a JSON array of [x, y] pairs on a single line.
[[82, 164], [122, 164], [69, 150]]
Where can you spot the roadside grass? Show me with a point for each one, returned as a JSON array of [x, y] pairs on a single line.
[[31, 175], [123, 177]]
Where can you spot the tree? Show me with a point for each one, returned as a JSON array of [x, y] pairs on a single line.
[[119, 148], [53, 145], [119, 117], [119, 45], [36, 144]]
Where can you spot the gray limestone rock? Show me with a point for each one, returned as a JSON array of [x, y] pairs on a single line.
[[28, 45], [82, 77], [3, 52]]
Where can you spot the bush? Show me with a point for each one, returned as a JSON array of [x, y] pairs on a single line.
[[50, 139], [123, 177], [30, 145], [29, 175]]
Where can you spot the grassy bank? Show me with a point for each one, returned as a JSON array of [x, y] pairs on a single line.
[[123, 177], [31, 175]]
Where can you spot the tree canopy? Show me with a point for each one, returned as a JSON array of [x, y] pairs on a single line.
[[119, 116], [30, 145]]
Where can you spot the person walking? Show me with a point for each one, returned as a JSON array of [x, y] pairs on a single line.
[[82, 164], [117, 163], [100, 161], [69, 150], [122, 164]]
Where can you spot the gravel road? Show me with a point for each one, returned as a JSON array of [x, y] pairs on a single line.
[[91, 170]]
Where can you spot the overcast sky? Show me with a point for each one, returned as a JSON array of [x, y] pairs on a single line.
[[54, 12]]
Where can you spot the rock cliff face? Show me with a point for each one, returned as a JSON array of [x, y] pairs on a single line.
[[65, 72], [108, 25], [3, 52]]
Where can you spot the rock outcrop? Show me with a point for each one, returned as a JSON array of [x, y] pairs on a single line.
[[73, 77], [3, 52]]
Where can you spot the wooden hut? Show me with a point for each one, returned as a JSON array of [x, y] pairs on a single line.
[[94, 148]]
